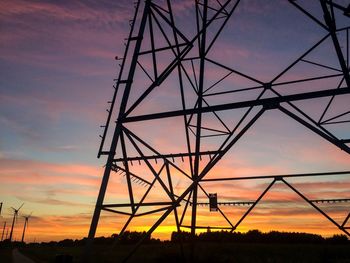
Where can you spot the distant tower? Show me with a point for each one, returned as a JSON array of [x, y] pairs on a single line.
[[3, 231], [181, 104], [26, 220], [14, 219]]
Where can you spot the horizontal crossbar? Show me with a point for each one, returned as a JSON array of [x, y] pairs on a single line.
[[164, 156], [268, 102]]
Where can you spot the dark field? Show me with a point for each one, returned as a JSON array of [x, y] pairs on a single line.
[[204, 252], [5, 255]]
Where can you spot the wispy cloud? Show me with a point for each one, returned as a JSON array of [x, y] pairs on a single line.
[[57, 64]]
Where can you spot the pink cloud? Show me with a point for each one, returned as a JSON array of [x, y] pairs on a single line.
[[35, 175], [77, 11]]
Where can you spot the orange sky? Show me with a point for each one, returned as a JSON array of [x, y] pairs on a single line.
[[57, 64]]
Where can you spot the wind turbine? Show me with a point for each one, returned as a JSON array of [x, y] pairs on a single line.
[[15, 214], [3, 231], [26, 218]]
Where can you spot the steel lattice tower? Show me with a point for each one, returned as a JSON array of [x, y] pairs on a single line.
[[173, 59]]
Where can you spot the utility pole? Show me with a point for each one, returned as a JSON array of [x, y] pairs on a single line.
[[3, 231]]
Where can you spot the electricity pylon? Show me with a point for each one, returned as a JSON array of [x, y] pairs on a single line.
[[173, 74]]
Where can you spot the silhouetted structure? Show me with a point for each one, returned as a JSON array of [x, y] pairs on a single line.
[[206, 106], [3, 231], [15, 215], [26, 220]]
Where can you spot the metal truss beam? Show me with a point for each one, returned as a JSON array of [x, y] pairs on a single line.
[[170, 156], [268, 102]]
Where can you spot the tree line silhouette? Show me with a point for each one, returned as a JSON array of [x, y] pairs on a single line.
[[252, 236], [256, 236]]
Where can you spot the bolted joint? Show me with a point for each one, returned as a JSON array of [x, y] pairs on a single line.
[[267, 85], [278, 178], [330, 23]]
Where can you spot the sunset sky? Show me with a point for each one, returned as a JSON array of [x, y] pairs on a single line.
[[56, 75]]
